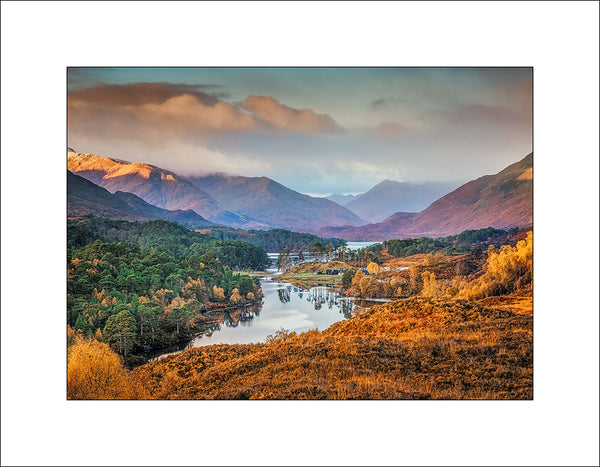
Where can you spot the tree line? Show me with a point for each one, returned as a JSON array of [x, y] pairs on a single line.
[[276, 240]]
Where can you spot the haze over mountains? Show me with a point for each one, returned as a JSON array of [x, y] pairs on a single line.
[[242, 202], [142, 191], [502, 200], [342, 199], [388, 197], [84, 197]]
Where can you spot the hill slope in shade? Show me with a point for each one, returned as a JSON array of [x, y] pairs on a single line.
[[85, 197], [274, 204], [154, 185], [389, 196], [501, 201]]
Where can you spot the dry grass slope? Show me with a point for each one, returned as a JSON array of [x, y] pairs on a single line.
[[409, 349]]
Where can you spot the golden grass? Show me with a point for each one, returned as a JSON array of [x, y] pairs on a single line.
[[409, 349]]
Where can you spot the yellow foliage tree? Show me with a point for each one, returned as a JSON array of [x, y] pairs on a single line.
[[357, 277], [373, 268], [369, 287], [430, 288], [94, 371], [218, 293], [235, 296], [506, 270]]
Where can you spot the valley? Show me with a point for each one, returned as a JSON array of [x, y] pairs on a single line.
[[299, 233]]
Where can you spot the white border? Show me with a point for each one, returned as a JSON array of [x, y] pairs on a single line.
[[559, 39]]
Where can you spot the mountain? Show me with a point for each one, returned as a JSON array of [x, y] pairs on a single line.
[[389, 196], [501, 201], [85, 197], [274, 204], [154, 185], [340, 199]]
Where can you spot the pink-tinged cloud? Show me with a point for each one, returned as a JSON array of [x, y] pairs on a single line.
[[158, 111], [287, 118], [189, 113], [144, 93], [389, 129]]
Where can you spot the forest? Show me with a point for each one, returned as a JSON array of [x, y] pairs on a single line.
[[143, 286], [464, 242], [276, 240], [164, 236]]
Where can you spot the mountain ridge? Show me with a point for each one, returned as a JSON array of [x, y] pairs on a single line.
[[271, 202], [501, 200], [85, 197], [154, 185], [390, 196]]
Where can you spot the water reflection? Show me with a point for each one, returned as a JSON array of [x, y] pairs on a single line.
[[284, 306]]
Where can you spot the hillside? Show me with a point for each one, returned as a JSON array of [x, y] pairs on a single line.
[[155, 186], [85, 197], [502, 201], [274, 204], [389, 197], [409, 349]]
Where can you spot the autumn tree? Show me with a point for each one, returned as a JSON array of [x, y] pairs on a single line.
[[94, 371], [235, 296], [218, 293], [506, 269], [369, 287], [356, 281], [373, 268]]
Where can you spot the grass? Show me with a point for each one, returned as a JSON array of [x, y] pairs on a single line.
[[408, 349]]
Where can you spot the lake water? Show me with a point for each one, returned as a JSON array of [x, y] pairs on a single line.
[[284, 306], [358, 245]]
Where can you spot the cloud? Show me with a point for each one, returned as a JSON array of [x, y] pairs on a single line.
[[389, 129], [386, 101], [158, 111], [120, 95], [287, 118]]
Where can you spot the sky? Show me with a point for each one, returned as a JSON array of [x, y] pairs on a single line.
[[316, 130]]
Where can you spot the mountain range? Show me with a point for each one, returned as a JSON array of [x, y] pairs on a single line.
[[84, 197], [274, 204], [388, 197], [137, 191], [242, 202], [502, 200], [154, 185]]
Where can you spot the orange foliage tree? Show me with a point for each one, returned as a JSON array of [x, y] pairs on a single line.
[[506, 270], [94, 371]]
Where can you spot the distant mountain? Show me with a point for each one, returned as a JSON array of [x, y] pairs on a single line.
[[501, 201], [274, 204], [85, 197], [389, 196], [156, 186], [340, 199]]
